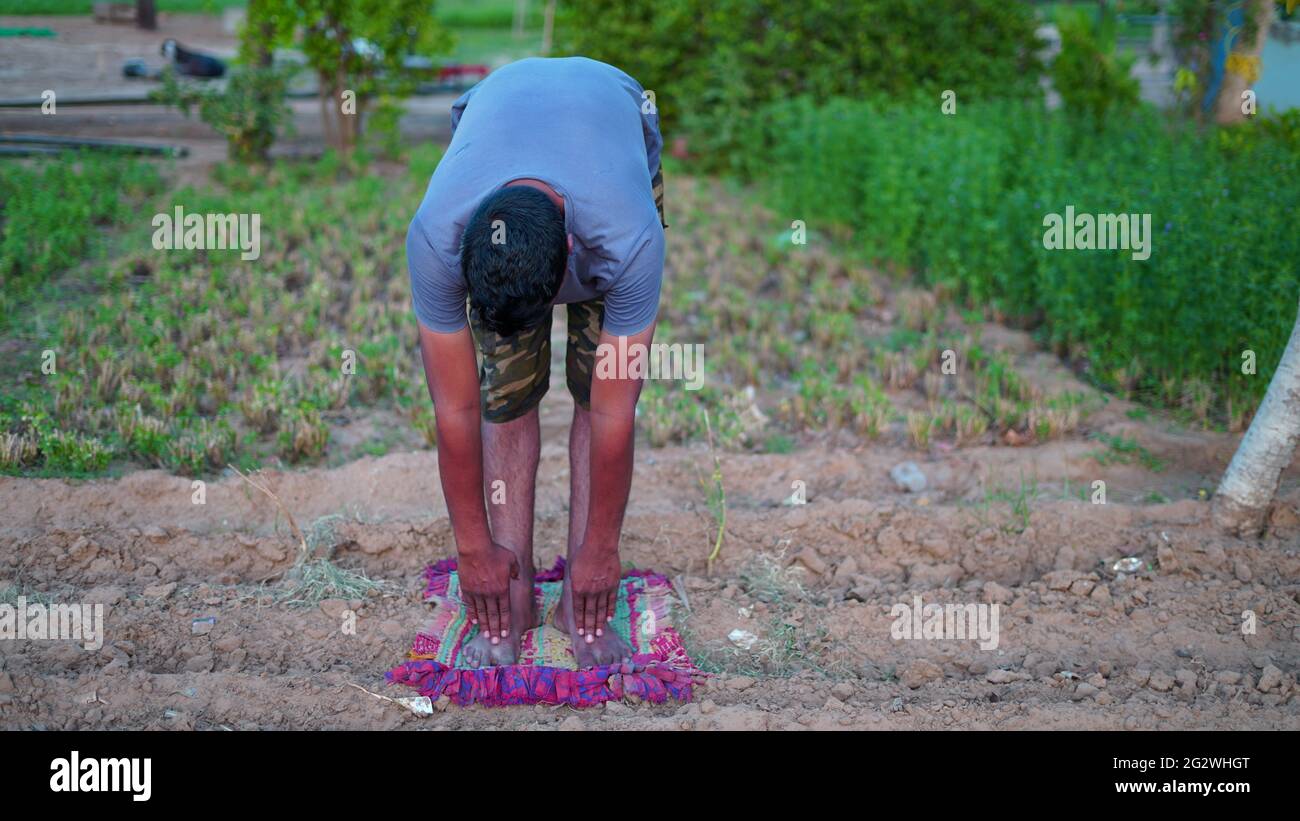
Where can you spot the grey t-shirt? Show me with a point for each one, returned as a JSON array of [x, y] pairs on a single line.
[[585, 129]]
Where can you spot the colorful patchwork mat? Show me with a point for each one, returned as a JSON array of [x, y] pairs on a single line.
[[546, 672]]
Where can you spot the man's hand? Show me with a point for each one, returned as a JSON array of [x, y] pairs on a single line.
[[593, 577], [485, 587]]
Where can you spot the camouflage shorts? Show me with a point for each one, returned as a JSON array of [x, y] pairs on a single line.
[[514, 372]]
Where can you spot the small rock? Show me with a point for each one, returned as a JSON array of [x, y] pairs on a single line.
[[1227, 677], [742, 638], [1084, 690], [833, 703], [228, 643], [916, 673], [995, 593], [1062, 579], [154, 533], [1241, 570], [740, 682], [843, 691], [392, 629], [1082, 587], [199, 664], [1165, 556], [846, 571], [334, 608], [1160, 682], [105, 595], [572, 724], [160, 591], [812, 561], [1000, 676], [707, 706], [935, 575], [269, 550], [1269, 679], [908, 477]]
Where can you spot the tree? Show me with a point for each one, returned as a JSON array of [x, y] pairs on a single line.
[[1220, 39], [360, 50], [1242, 501], [249, 109], [1242, 66]]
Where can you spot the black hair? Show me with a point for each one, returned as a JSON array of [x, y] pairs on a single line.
[[513, 254]]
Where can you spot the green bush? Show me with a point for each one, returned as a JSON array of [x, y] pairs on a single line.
[[961, 199], [249, 111], [50, 213], [1091, 77], [730, 56]]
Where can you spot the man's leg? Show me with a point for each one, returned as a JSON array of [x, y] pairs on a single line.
[[510, 455], [584, 330], [513, 376]]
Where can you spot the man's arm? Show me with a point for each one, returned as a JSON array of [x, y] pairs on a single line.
[[596, 569], [484, 568]]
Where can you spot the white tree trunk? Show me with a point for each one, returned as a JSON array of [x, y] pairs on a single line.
[[1242, 500]]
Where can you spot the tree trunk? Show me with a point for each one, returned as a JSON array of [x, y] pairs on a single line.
[[146, 15], [548, 27], [1227, 108], [1242, 500], [521, 10]]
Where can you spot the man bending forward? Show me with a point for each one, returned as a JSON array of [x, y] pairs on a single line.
[[550, 192]]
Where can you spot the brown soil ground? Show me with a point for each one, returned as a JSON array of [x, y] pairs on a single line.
[[1081, 647], [1163, 648]]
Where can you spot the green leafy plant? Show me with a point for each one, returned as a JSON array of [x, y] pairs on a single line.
[[249, 110], [1091, 76]]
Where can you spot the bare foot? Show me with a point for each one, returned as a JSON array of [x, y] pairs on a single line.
[[481, 652], [606, 648]]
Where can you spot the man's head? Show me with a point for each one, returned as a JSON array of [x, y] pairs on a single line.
[[513, 254]]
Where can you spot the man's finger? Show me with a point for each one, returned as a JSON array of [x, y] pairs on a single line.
[[493, 619], [602, 614], [504, 603], [480, 613], [470, 609], [577, 612], [590, 618]]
